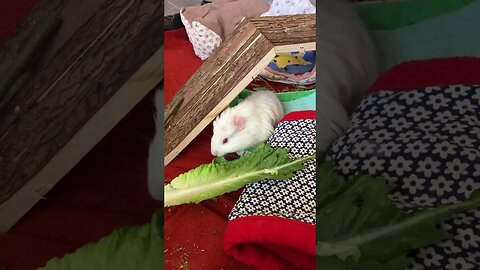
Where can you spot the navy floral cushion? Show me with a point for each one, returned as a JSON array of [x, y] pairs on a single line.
[[426, 144]]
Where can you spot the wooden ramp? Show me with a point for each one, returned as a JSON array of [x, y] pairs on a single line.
[[237, 61], [106, 57]]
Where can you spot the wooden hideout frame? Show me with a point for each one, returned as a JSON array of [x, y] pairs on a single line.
[[106, 57], [236, 62]]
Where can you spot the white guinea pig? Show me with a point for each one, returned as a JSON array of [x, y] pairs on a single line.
[[247, 124], [155, 155]]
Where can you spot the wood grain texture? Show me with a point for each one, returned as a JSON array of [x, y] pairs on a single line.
[[228, 71], [287, 30], [85, 72], [15, 46], [310, 46], [134, 90], [76, 14]]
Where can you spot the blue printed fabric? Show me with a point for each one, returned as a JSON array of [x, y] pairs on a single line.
[[292, 198], [426, 144], [306, 65]]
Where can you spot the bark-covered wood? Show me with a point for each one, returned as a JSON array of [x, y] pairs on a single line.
[[95, 62], [212, 82], [287, 30], [76, 14], [32, 54], [227, 71]]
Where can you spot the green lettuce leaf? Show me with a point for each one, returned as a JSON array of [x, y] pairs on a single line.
[[221, 176], [127, 248], [359, 227]]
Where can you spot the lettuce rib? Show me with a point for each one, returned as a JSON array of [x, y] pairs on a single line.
[[221, 176], [359, 227]]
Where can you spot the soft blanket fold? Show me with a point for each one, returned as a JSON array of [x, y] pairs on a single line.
[[419, 129]]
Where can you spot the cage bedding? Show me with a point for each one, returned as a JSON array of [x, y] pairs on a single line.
[[207, 219], [179, 235]]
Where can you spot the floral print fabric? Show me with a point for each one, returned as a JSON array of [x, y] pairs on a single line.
[[292, 198], [426, 144]]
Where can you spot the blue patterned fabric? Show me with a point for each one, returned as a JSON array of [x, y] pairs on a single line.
[[292, 198], [308, 56], [426, 144]]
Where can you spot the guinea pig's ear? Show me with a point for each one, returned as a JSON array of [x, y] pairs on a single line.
[[238, 123]]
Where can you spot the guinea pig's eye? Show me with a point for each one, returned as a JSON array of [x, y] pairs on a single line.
[[225, 141]]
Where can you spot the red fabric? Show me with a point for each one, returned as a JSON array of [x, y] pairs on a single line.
[[179, 60], [300, 115], [194, 232], [271, 242], [12, 14], [267, 242], [432, 72], [105, 191]]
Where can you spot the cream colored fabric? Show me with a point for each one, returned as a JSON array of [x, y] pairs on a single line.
[[290, 7], [209, 24]]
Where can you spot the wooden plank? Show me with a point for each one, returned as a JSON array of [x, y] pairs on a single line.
[[132, 92], [211, 84], [229, 70], [84, 75], [310, 46], [288, 30], [13, 48], [218, 108], [77, 12]]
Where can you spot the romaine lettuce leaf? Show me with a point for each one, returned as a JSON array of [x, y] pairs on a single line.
[[221, 176], [127, 248], [359, 227]]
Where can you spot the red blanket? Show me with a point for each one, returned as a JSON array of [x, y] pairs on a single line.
[[193, 233], [433, 72], [273, 223]]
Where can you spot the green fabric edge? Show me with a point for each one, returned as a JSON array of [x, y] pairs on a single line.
[[388, 15], [283, 96]]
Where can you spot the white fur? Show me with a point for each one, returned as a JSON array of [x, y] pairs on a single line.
[[262, 111], [346, 67], [155, 157]]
